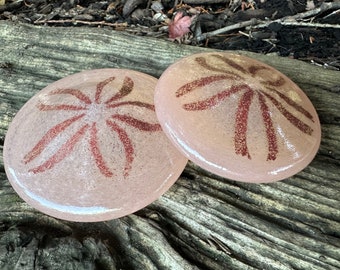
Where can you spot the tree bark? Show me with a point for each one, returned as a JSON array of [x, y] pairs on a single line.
[[203, 221]]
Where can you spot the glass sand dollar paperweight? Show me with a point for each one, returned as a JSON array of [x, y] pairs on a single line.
[[237, 117], [89, 147]]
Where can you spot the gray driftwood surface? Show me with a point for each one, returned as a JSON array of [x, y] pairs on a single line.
[[203, 221]]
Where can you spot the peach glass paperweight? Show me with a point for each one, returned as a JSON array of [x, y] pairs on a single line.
[[89, 147], [237, 117]]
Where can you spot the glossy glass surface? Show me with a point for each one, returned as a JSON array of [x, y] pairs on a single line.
[[237, 117], [89, 147]]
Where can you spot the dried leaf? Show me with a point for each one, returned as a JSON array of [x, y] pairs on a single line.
[[179, 26]]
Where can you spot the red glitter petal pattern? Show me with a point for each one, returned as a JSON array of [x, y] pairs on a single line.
[[254, 69], [202, 62], [141, 125], [270, 132], [241, 124], [279, 82], [128, 147], [213, 100], [94, 142], [200, 83], [51, 134], [74, 92], [132, 103], [230, 63], [240, 138], [98, 157], [124, 91], [289, 116], [100, 87], [293, 104], [63, 151], [61, 107]]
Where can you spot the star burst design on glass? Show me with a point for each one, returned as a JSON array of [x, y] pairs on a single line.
[[267, 93], [86, 123]]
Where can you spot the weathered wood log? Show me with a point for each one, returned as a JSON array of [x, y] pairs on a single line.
[[203, 221]]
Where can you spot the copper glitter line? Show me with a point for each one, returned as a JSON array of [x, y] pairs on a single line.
[[231, 63], [188, 87], [74, 92], [126, 89], [254, 69], [203, 63], [213, 100], [99, 88], [293, 104], [127, 144], [279, 82], [63, 151], [133, 103], [289, 116], [141, 125], [51, 134], [270, 132], [241, 124], [103, 168], [60, 107]]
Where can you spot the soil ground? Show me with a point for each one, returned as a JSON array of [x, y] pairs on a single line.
[[300, 29]]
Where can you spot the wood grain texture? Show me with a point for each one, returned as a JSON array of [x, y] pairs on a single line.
[[203, 221]]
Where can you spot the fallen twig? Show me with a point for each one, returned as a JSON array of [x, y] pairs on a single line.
[[226, 29], [101, 23], [319, 25], [288, 20], [292, 20]]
